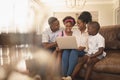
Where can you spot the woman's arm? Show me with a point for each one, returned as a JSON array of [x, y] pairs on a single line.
[[81, 48]]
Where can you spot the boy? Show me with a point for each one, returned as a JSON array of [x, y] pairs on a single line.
[[96, 44]]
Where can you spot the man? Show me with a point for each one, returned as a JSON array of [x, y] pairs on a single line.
[[50, 34]]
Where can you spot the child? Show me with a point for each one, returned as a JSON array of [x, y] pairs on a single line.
[[96, 44], [69, 22]]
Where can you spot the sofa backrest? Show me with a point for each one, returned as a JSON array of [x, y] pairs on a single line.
[[12, 39], [13, 45], [112, 36]]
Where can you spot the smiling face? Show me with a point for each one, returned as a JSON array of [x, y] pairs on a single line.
[[81, 25], [69, 22], [68, 26], [55, 26]]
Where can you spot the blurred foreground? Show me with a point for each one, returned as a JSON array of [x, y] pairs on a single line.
[[39, 65]]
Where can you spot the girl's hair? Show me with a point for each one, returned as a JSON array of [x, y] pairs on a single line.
[[69, 19], [51, 20], [85, 16]]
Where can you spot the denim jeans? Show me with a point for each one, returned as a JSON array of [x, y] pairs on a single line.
[[69, 60]]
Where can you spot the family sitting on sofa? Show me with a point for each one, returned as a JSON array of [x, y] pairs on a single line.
[[91, 44]]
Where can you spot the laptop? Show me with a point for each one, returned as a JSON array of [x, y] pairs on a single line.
[[67, 42]]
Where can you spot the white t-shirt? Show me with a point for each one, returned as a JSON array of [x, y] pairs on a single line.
[[49, 36], [95, 42], [82, 38]]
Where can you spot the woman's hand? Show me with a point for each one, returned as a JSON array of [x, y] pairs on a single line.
[[57, 49], [81, 48]]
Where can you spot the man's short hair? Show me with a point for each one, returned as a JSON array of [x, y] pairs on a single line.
[[51, 20]]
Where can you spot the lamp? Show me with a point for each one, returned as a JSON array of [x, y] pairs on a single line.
[[75, 3]]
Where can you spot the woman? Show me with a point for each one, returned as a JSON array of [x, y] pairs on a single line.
[[70, 57]]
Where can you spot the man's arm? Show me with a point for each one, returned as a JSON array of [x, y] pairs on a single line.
[[45, 41]]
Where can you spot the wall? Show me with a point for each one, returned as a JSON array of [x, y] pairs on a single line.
[[105, 12], [117, 12]]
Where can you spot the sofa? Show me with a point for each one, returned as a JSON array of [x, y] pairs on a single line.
[[106, 69], [109, 67], [13, 46]]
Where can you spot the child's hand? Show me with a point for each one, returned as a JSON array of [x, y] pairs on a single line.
[[92, 55]]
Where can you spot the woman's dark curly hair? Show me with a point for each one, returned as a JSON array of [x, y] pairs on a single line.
[[69, 19], [85, 16]]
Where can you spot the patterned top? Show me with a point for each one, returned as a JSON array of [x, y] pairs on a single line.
[[49, 36]]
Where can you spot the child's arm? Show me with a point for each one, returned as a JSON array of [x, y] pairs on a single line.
[[99, 52]]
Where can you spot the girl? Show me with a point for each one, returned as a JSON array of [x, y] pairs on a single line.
[[69, 22]]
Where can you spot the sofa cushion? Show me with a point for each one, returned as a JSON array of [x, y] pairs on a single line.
[[118, 36], [112, 36], [110, 64], [112, 45]]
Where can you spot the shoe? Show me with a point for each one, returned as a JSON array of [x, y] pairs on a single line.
[[68, 78], [63, 78]]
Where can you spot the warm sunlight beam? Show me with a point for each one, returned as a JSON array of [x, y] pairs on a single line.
[[6, 13], [14, 13], [21, 14]]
